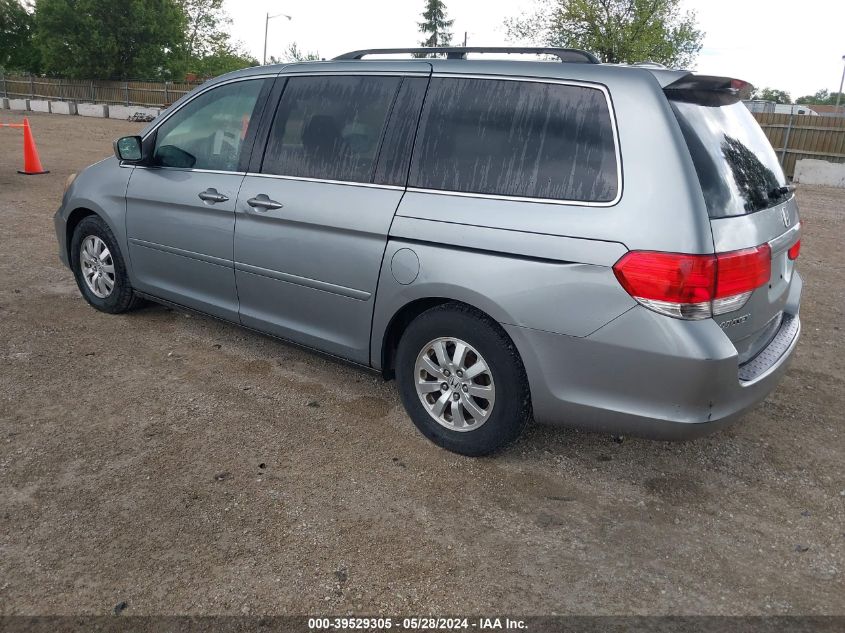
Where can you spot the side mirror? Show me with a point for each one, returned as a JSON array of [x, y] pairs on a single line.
[[172, 156], [129, 149]]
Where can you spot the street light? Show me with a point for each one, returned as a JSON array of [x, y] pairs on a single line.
[[841, 81], [266, 25]]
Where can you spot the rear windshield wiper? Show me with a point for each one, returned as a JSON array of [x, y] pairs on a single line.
[[781, 192]]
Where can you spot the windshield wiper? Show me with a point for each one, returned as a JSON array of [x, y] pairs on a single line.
[[781, 192]]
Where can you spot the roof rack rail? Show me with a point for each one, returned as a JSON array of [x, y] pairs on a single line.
[[570, 55]]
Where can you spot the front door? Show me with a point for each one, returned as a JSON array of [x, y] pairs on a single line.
[[312, 225], [181, 209]]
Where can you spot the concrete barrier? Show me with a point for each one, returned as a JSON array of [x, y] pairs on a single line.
[[92, 109], [809, 171], [62, 107], [99, 110], [39, 106], [124, 112]]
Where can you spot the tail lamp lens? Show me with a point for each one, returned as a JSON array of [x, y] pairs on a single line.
[[742, 271], [794, 250], [694, 286]]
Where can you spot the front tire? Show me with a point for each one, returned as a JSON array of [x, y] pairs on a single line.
[[99, 268], [462, 381]]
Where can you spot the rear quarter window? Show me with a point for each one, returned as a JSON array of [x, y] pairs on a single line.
[[516, 138]]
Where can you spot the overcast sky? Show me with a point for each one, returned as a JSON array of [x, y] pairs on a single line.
[[795, 46]]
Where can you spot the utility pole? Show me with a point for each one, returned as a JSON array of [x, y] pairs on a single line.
[[266, 26], [465, 39], [267, 19], [841, 81]]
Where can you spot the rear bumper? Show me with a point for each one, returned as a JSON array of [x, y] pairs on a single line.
[[650, 375]]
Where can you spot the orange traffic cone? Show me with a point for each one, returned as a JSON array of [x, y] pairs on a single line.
[[31, 162]]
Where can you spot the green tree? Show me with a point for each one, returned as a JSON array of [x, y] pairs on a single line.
[[208, 48], [204, 21], [821, 97], [617, 31], [295, 54], [110, 39], [435, 26], [17, 48], [224, 58], [771, 94]]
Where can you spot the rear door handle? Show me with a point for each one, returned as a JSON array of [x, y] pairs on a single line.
[[212, 195], [262, 202]]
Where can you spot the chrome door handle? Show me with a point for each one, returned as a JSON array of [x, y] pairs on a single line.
[[212, 195], [263, 203]]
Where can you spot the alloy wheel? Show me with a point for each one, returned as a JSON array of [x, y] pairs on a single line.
[[97, 266], [454, 384]]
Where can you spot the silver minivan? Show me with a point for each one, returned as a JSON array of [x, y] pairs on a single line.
[[577, 243]]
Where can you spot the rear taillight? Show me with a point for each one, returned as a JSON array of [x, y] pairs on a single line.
[[739, 273], [694, 286], [670, 283], [794, 250]]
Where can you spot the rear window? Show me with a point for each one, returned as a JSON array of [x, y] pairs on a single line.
[[516, 138], [736, 165]]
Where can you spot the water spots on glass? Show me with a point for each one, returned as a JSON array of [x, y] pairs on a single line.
[[395, 155], [516, 138], [330, 127]]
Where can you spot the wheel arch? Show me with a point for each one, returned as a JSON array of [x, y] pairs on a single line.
[[73, 220], [396, 326], [113, 216], [403, 317]]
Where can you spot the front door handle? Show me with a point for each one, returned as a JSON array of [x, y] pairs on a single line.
[[262, 202], [212, 195]]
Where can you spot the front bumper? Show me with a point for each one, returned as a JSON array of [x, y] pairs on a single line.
[[649, 375]]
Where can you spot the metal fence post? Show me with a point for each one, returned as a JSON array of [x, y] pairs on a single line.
[[166, 94], [126, 92], [93, 92], [5, 88], [31, 87], [786, 140]]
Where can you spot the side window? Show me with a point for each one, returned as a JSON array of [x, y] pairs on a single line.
[[209, 131], [516, 138], [398, 141], [330, 127]]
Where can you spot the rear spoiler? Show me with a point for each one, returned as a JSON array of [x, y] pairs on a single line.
[[709, 90]]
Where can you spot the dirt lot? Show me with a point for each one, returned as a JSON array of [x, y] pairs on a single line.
[[184, 465]]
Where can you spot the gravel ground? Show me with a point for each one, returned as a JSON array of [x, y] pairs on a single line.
[[186, 466]]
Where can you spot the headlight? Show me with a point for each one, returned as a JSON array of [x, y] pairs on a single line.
[[69, 182]]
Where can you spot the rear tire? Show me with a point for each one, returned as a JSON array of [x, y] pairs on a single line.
[[99, 268], [462, 381]]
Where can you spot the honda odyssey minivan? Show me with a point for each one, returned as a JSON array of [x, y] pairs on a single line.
[[587, 244]]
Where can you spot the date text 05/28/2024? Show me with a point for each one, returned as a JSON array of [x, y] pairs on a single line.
[[415, 624]]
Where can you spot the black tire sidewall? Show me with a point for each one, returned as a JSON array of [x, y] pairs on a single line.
[[511, 409], [122, 296]]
